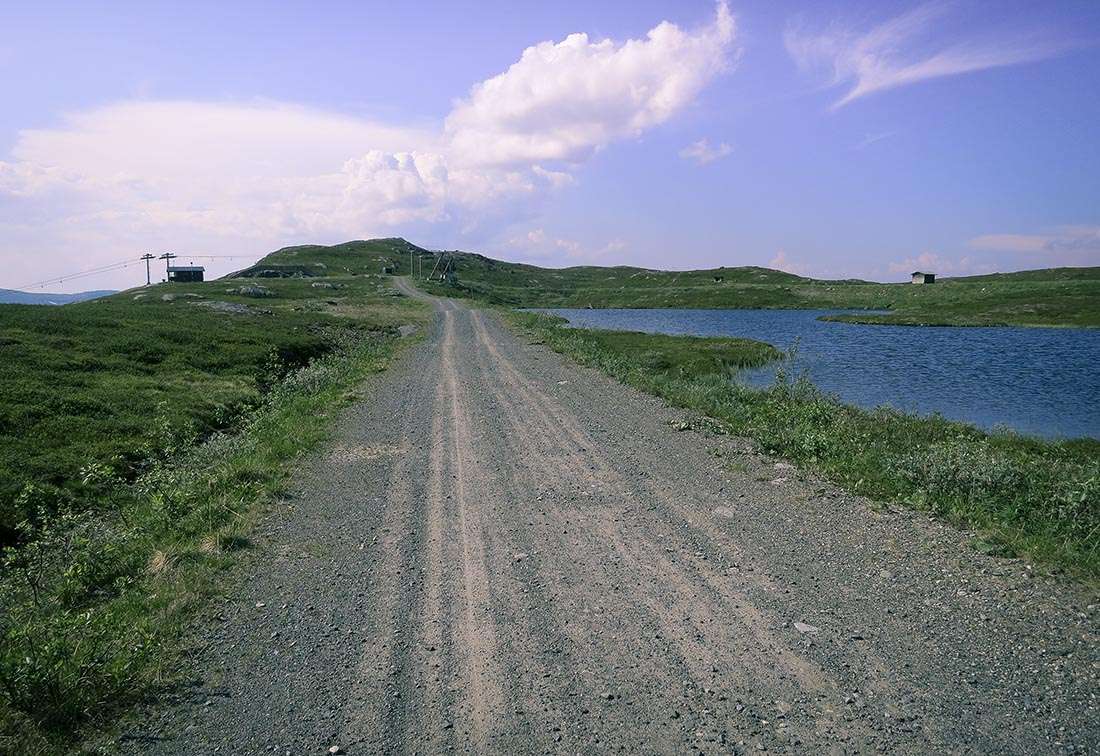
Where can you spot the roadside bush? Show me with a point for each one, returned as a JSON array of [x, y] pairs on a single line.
[[1040, 492], [97, 590]]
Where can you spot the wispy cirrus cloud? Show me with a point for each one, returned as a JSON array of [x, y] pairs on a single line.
[[702, 153], [870, 139], [907, 49], [1063, 243], [252, 175]]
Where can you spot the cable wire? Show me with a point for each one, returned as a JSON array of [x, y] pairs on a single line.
[[110, 267]]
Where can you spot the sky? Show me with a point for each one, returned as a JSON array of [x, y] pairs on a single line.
[[832, 139]]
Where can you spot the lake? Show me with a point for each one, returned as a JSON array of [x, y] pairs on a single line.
[[1038, 381]]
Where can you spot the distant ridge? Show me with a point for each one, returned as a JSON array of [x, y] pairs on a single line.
[[1065, 297], [13, 296]]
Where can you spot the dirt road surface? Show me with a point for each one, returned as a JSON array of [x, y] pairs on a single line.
[[506, 553]]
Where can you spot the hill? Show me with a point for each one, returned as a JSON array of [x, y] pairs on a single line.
[[1039, 274], [1048, 297], [1051, 297], [353, 258], [13, 296]]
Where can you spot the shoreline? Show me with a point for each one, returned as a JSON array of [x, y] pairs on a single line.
[[1027, 496]]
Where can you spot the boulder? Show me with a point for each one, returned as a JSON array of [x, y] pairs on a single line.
[[255, 291]]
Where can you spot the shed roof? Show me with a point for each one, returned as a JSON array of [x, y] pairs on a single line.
[[174, 268]]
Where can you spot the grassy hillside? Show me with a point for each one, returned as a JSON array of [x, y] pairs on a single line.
[[353, 258], [1050, 297], [85, 383], [1039, 274], [1055, 297], [138, 436]]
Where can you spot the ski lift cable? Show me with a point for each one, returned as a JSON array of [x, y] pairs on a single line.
[[111, 267]]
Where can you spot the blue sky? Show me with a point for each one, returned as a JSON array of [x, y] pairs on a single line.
[[829, 139]]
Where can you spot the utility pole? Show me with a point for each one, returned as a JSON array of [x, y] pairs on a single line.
[[147, 257], [167, 257]]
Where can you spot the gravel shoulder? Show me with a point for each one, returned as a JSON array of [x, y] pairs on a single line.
[[504, 552]]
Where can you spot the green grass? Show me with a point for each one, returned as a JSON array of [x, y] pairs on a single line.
[[1050, 297], [353, 258], [1025, 496], [82, 383], [685, 355], [1056, 297], [138, 439]]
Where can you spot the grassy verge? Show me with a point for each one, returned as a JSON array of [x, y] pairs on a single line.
[[117, 533], [82, 383], [1025, 496], [682, 355]]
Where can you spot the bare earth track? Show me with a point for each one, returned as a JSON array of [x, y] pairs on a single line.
[[506, 553]]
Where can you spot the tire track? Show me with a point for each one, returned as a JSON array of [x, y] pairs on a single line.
[[510, 555]]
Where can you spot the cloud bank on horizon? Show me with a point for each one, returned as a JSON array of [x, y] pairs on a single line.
[[138, 171]]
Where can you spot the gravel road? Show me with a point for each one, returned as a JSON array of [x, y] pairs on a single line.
[[506, 553]]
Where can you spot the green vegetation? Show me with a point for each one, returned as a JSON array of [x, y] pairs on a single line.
[[1053, 297], [142, 433], [684, 355], [1025, 496], [81, 383], [350, 258], [139, 436], [1058, 297]]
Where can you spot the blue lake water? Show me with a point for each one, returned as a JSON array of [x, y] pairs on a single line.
[[1039, 381]]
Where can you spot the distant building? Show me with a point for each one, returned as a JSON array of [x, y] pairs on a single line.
[[923, 278], [185, 273]]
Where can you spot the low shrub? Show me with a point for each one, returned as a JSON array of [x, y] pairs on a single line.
[[96, 594]]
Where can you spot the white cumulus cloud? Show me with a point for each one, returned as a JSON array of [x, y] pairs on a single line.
[[538, 246], [562, 100], [783, 262], [215, 176]]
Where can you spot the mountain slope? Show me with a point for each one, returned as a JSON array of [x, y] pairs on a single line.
[[13, 296], [1050, 297], [350, 258]]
